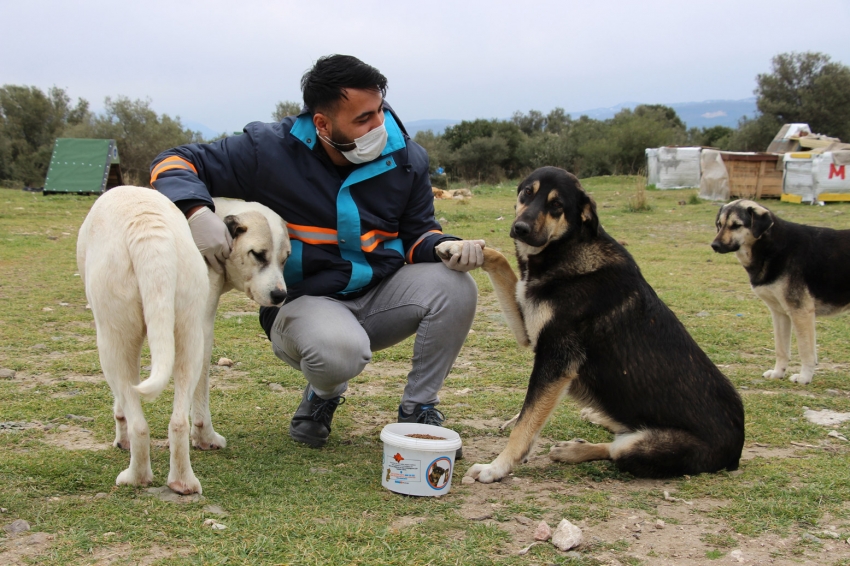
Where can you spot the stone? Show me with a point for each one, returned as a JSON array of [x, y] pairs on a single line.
[[567, 536], [543, 531], [216, 526], [825, 417], [17, 526], [225, 362], [467, 480], [164, 493], [6, 373]]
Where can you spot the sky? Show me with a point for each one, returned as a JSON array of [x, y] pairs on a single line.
[[226, 63]]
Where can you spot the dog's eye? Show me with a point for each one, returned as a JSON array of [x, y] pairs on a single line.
[[556, 204], [528, 191], [734, 226], [259, 256]]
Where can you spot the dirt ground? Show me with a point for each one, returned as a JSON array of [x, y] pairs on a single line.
[[678, 539]]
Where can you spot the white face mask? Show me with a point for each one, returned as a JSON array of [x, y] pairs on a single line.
[[367, 147]]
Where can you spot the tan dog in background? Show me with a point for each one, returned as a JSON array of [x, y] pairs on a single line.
[[800, 272]]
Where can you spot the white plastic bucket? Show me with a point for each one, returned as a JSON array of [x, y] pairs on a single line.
[[418, 466]]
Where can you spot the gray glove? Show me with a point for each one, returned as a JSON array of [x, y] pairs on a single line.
[[211, 236], [470, 256]]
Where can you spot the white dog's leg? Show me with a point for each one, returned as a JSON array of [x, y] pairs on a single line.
[[203, 435], [189, 344], [119, 349], [804, 328], [782, 342], [122, 438]]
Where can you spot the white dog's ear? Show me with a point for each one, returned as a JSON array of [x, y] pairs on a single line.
[[234, 226]]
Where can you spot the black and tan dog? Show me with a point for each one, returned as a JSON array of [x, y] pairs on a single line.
[[799, 271], [601, 334]]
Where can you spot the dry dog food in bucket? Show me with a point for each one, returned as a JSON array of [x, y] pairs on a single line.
[[418, 458]]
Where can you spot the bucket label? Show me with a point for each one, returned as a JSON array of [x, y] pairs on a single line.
[[403, 470], [439, 473]]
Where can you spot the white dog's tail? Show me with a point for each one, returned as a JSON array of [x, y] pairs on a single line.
[[155, 259]]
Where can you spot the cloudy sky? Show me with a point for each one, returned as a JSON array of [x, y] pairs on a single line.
[[226, 63]]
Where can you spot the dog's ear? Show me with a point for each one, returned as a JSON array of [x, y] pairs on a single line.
[[761, 222], [234, 226], [589, 218]]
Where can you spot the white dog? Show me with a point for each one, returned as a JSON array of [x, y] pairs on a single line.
[[144, 274]]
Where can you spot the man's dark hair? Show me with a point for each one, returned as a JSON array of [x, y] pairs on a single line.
[[324, 85]]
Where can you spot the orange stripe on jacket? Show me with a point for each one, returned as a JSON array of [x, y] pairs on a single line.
[[410, 253], [169, 163], [301, 228]]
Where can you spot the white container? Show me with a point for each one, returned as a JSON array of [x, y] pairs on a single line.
[[418, 466]]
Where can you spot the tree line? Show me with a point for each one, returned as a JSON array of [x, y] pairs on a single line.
[[800, 87]]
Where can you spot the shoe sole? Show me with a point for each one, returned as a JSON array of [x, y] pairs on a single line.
[[311, 441]]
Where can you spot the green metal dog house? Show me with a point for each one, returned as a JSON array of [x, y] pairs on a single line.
[[84, 166]]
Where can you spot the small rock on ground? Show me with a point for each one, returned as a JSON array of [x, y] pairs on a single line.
[[567, 535], [17, 526]]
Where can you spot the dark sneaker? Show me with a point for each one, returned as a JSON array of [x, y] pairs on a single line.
[[311, 423], [426, 414]]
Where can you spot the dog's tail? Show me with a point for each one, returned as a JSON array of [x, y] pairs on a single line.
[[155, 261]]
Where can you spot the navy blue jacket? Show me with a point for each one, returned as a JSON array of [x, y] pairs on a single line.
[[347, 233]]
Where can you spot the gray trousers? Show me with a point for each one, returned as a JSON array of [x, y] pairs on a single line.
[[332, 340]]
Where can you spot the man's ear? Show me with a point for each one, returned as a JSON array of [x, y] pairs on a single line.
[[761, 222], [589, 218], [234, 226]]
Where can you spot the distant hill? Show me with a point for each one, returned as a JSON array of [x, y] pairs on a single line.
[[436, 126], [694, 114]]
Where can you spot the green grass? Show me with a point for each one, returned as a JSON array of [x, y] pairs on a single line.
[[291, 504]]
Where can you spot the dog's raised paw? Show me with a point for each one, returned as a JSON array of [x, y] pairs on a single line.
[[447, 249]]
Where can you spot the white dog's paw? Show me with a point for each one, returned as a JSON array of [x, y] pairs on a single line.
[[209, 441], [122, 443], [135, 477], [186, 485], [774, 374], [803, 378], [486, 473], [447, 249]]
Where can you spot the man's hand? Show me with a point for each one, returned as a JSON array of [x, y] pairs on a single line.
[[466, 255], [211, 236]]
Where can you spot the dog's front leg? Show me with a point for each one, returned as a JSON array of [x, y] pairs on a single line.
[[804, 328], [782, 342], [540, 401], [504, 282], [203, 435]]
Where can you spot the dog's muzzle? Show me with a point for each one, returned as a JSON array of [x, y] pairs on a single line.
[[278, 296], [722, 249]]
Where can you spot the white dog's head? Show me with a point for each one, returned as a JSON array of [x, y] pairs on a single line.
[[260, 250]]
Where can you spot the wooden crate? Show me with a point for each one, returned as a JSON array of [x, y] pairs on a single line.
[[753, 175]]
